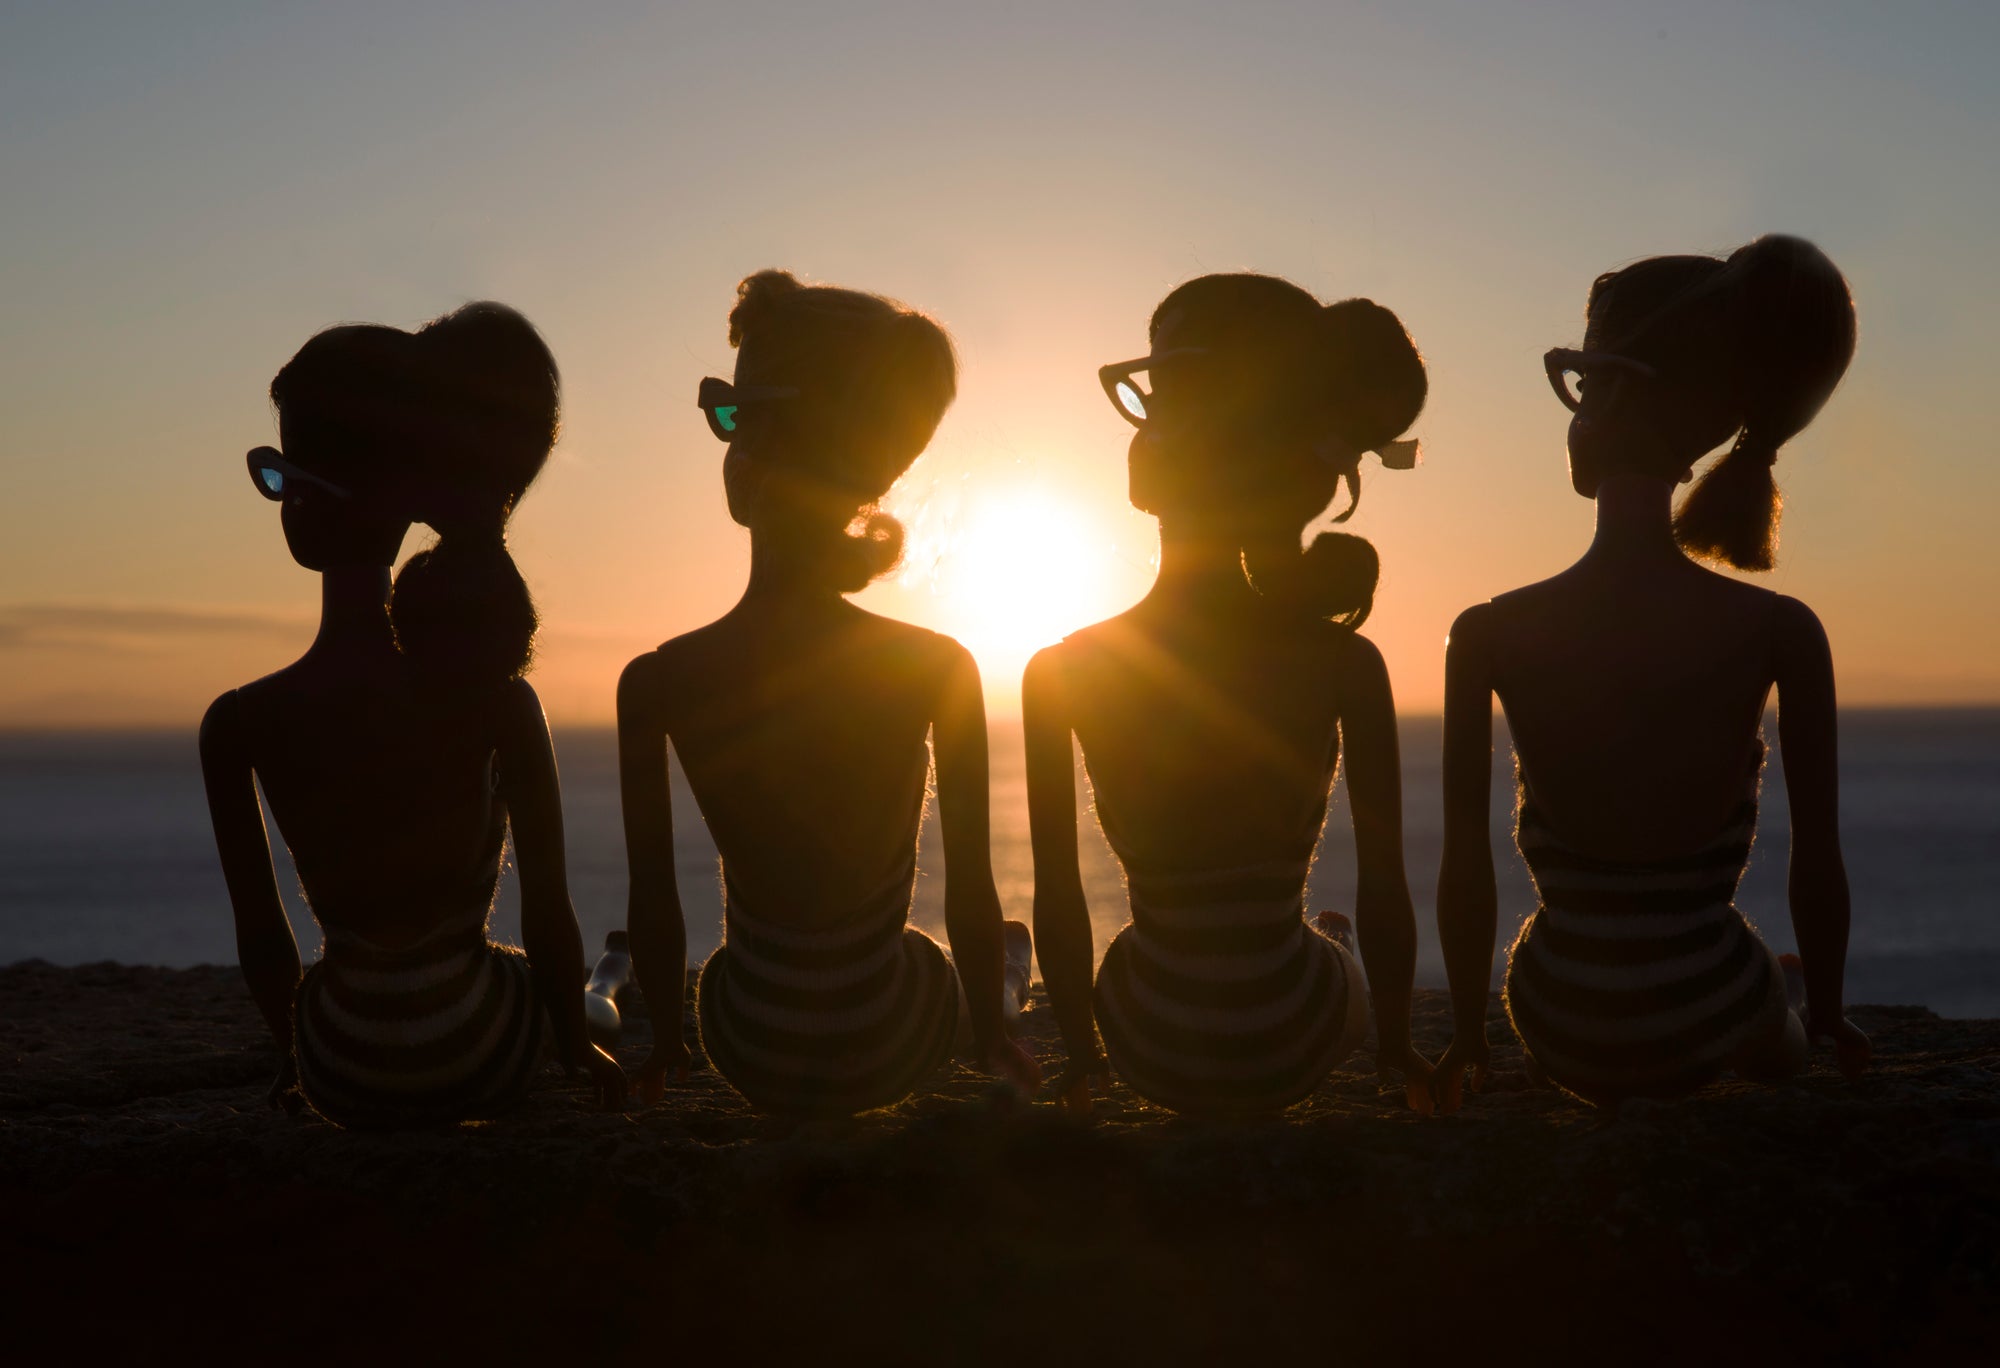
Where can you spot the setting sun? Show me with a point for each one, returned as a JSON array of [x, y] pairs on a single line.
[[1013, 569]]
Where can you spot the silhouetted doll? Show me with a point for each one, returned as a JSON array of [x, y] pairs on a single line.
[[1213, 713], [1634, 684], [397, 752], [801, 723]]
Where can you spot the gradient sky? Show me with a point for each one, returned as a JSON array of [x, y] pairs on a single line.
[[188, 192]]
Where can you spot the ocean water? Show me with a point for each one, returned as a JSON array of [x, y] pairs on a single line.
[[105, 853]]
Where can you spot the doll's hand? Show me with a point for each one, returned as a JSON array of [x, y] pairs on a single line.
[[669, 1055], [607, 1080], [284, 1094], [1072, 1088], [1464, 1052], [1403, 1064], [1007, 1058], [1851, 1050]]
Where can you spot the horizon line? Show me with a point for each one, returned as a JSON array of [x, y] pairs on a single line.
[[15, 732]]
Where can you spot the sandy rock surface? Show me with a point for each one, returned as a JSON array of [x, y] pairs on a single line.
[[1825, 1217]]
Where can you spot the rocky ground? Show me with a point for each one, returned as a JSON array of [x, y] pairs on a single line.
[[155, 1204]]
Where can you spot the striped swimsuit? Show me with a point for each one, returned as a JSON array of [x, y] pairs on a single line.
[[1218, 997], [1638, 978], [828, 1021], [448, 1029]]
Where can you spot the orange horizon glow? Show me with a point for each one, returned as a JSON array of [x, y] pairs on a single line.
[[192, 196]]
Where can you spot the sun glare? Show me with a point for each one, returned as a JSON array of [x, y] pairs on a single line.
[[1017, 570]]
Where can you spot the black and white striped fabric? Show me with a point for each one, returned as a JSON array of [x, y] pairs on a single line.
[[448, 1029], [1218, 997], [1638, 979], [828, 1021]]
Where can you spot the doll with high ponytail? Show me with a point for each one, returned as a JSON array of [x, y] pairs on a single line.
[[403, 749], [447, 427], [1634, 684], [1743, 350], [1212, 715]]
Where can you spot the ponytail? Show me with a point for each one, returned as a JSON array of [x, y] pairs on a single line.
[[1732, 514], [461, 612], [487, 412], [864, 551], [848, 549], [1792, 323], [1762, 338], [1334, 578]]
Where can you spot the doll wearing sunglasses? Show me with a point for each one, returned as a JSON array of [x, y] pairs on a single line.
[[1635, 684], [802, 724], [1213, 714], [400, 750]]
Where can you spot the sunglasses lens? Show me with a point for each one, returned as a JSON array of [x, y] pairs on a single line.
[[273, 481], [1131, 400], [725, 417]]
